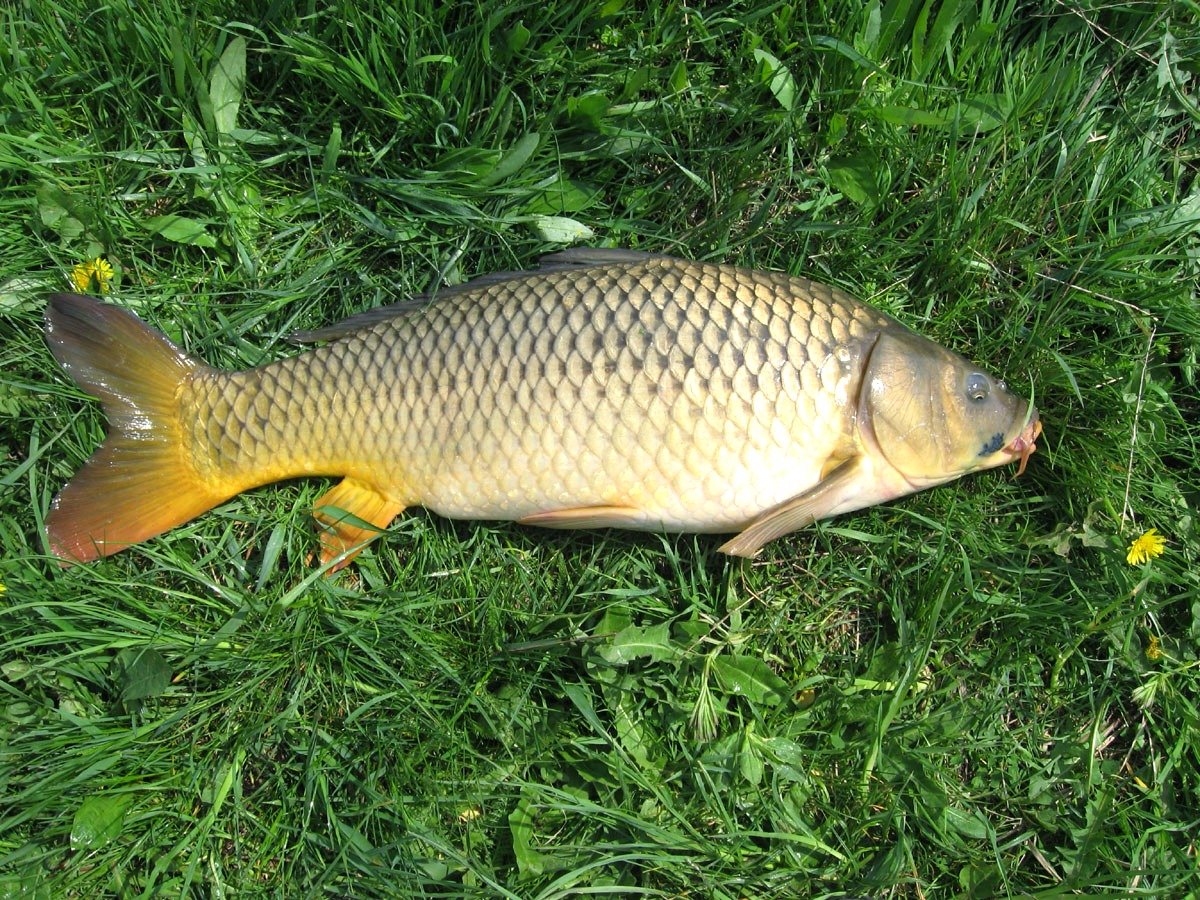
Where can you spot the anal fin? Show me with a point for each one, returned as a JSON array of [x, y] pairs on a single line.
[[791, 515], [587, 517], [349, 516]]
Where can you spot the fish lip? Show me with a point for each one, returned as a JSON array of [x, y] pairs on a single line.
[[1024, 444]]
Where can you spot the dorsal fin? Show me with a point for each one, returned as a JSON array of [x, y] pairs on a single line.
[[591, 257], [359, 321], [575, 259]]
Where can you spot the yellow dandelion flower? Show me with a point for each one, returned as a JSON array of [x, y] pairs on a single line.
[[81, 276], [1154, 648], [103, 273], [1148, 546], [96, 271], [2, 588]]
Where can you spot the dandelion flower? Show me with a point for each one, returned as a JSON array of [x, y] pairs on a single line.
[[81, 276], [1154, 649], [98, 271], [1148, 546], [103, 273]]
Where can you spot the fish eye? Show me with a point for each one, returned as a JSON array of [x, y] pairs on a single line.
[[977, 387]]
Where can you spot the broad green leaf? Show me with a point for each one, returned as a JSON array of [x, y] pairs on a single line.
[[838, 46], [635, 642], [784, 750], [887, 663], [750, 763], [512, 161], [870, 32], [474, 162], [855, 176], [558, 195], [678, 82], [434, 869], [143, 674], [624, 141], [788, 758], [355, 838], [856, 535], [979, 114], [22, 292], [917, 48], [16, 670], [59, 212], [581, 696], [635, 108], [589, 108], [328, 517], [614, 619], [969, 824], [520, 826], [751, 678], [1182, 218], [628, 725], [333, 148], [559, 229], [983, 112], [985, 879], [180, 230], [99, 820], [518, 37], [778, 78], [270, 556], [26, 883], [226, 86]]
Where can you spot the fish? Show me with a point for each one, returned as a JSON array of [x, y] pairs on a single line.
[[605, 388]]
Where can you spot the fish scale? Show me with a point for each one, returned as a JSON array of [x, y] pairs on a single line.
[[610, 388]]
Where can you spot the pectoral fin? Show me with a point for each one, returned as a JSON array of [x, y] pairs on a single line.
[[794, 514], [587, 517], [349, 516]]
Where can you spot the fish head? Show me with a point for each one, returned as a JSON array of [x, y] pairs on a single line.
[[933, 415]]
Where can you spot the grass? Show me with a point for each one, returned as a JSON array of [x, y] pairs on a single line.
[[967, 693]]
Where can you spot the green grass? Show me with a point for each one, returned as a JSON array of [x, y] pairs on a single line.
[[965, 693]]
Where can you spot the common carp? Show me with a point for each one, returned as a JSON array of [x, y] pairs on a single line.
[[605, 388]]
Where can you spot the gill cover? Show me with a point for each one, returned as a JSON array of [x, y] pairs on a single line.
[[932, 414]]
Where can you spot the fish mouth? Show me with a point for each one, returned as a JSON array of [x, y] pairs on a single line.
[[1024, 444]]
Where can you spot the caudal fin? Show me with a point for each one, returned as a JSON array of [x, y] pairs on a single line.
[[139, 482]]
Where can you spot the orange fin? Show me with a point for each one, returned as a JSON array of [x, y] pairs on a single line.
[[349, 516], [139, 482], [793, 514], [587, 517]]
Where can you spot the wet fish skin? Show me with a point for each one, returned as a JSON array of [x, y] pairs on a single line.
[[607, 388]]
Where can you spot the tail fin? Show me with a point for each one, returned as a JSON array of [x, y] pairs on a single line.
[[139, 482]]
